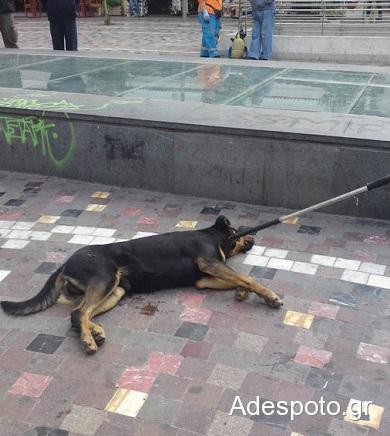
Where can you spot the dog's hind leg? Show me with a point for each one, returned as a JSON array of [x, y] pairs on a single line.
[[108, 303], [233, 279], [96, 293]]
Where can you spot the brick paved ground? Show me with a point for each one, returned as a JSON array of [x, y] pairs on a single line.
[[175, 360], [163, 35]]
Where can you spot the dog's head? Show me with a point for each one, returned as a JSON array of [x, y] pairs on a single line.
[[230, 244], [222, 224]]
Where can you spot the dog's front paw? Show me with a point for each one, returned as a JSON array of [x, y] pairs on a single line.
[[274, 301], [89, 345], [241, 294], [98, 334]]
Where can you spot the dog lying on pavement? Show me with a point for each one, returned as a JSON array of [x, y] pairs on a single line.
[[96, 277]]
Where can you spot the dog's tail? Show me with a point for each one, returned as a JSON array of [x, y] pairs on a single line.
[[44, 299]]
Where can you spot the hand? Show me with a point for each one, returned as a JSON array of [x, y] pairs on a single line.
[[206, 16]]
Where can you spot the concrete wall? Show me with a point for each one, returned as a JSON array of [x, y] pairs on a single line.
[[248, 166], [342, 49]]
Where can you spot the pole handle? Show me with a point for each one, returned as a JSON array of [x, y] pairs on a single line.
[[378, 183], [249, 230]]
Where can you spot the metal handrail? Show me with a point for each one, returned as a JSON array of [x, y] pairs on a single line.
[[325, 16]]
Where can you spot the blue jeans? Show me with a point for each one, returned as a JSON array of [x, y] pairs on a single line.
[[263, 26], [134, 7], [210, 32]]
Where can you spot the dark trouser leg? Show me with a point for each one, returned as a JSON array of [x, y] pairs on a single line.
[[57, 35], [8, 31], [71, 35]]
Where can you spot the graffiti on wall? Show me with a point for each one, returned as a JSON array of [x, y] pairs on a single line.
[[43, 135], [41, 103], [54, 139], [35, 104]]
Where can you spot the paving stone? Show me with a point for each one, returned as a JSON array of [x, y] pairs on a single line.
[[191, 299], [195, 418], [195, 368], [17, 408], [45, 343], [227, 377], [373, 353], [200, 393], [137, 379], [229, 403], [222, 320], [310, 230], [324, 379], [197, 315], [370, 417], [46, 431], [381, 338], [126, 402], [159, 362], [223, 424], [291, 371], [250, 342], [263, 273], [160, 409], [61, 390], [260, 429], [287, 391], [155, 429], [332, 273], [30, 385], [14, 202], [272, 419], [262, 385], [118, 425], [310, 338], [340, 428], [298, 319], [170, 386], [246, 360], [200, 350], [78, 367], [93, 395], [14, 359], [192, 331], [83, 420], [218, 336], [312, 356], [323, 310], [356, 386]]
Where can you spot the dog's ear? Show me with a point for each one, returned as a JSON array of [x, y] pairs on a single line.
[[221, 222]]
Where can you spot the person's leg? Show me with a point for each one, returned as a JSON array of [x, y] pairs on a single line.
[[254, 50], [134, 9], [267, 28], [204, 52], [8, 31], [212, 36], [57, 35], [71, 35]]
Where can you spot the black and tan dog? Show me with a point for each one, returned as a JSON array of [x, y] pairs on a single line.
[[97, 276]]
